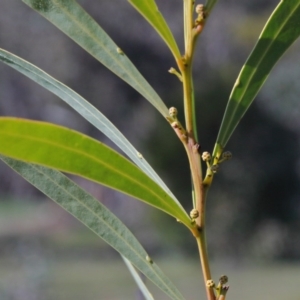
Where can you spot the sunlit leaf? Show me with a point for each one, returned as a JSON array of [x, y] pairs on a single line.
[[72, 152], [74, 21], [83, 107], [149, 10], [281, 30], [95, 216]]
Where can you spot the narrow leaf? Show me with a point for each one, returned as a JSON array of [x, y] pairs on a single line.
[[279, 33], [72, 152], [73, 20], [209, 5], [95, 216], [149, 10], [137, 278], [83, 107]]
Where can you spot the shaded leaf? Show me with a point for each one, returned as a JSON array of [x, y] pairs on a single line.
[[72, 152], [83, 107], [279, 33], [149, 10], [73, 20], [95, 216]]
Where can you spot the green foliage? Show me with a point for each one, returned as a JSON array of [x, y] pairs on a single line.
[[72, 152], [84, 108], [32, 148], [210, 4], [149, 10], [279, 33], [73, 20], [95, 216]]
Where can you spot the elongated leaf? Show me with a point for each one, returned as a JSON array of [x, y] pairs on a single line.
[[151, 13], [147, 295], [73, 20], [88, 111], [209, 5], [70, 151], [281, 30], [95, 216]]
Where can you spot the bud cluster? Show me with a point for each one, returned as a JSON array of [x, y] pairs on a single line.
[[200, 10]]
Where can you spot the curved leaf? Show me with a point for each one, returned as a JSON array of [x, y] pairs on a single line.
[[83, 107], [149, 10], [72, 152], [73, 20], [95, 216], [281, 30]]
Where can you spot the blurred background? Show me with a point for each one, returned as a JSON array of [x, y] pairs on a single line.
[[253, 206]]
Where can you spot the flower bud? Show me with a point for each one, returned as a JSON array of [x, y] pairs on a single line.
[[223, 279], [199, 8], [214, 168], [206, 156], [210, 283], [173, 112], [227, 155], [194, 214]]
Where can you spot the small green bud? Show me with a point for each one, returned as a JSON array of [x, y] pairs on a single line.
[[175, 72], [172, 71]]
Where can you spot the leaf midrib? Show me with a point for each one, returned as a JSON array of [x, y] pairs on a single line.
[[166, 30], [47, 142]]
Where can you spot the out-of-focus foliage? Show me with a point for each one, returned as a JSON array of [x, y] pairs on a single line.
[[102, 222], [260, 184]]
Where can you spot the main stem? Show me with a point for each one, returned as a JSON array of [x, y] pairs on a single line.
[[192, 147], [200, 191]]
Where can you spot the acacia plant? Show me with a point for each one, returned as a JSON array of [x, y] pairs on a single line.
[[40, 151]]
